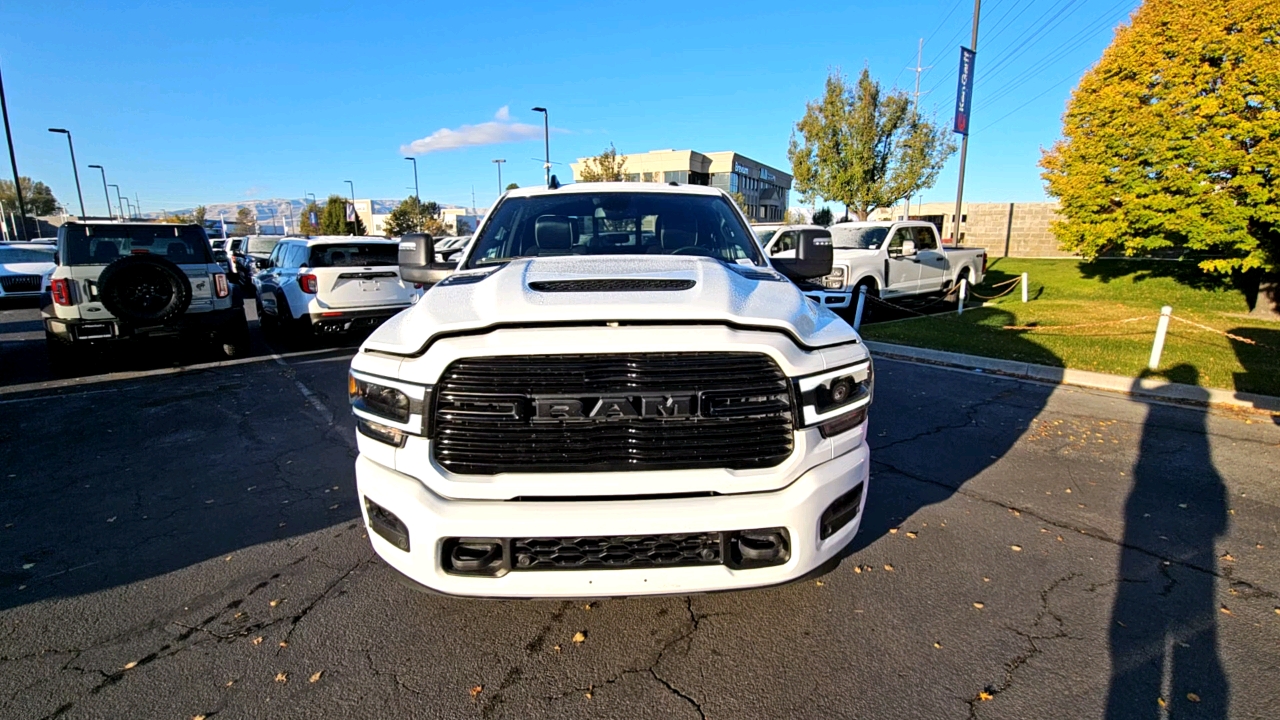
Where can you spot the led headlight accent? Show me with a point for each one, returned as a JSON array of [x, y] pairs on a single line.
[[389, 403], [835, 392]]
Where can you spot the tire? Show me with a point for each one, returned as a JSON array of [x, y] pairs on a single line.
[[293, 331], [268, 324], [868, 309], [234, 336], [144, 290]]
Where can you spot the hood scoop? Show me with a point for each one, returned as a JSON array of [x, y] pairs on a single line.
[[599, 285]]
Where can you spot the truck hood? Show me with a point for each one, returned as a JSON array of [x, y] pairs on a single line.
[[720, 293], [846, 253]]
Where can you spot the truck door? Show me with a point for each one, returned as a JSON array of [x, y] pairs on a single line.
[[933, 261], [901, 274]]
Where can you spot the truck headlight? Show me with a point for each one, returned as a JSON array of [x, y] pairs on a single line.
[[834, 281], [836, 400], [387, 409]]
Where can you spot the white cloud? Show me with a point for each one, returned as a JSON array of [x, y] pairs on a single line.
[[497, 131]]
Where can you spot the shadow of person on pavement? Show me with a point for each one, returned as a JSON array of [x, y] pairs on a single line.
[[1165, 615]]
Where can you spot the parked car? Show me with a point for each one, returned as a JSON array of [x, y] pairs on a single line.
[[892, 259], [615, 393], [329, 285], [123, 281], [22, 265], [249, 252]]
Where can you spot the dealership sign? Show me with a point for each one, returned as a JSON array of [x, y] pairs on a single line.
[[964, 91]]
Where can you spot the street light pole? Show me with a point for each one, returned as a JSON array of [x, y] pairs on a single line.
[[13, 161], [964, 143], [71, 146], [499, 164], [546, 141], [110, 213], [129, 206], [353, 205], [415, 179], [119, 201]]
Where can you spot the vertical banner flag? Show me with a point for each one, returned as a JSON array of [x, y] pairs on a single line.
[[223, 223], [351, 213], [964, 91], [313, 218]]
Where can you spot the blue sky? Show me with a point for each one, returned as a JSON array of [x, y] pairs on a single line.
[[184, 104]]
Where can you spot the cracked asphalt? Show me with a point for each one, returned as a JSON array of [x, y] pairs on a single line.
[[178, 544]]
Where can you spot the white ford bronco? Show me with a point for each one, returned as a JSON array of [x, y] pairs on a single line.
[[612, 393], [115, 281]]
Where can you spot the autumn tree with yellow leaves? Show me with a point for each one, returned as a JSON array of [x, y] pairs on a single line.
[[1173, 139]]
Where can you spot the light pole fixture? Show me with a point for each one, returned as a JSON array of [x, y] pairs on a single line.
[[129, 206], [13, 162], [75, 171], [546, 141], [119, 201], [415, 178], [499, 162], [353, 205], [110, 213]]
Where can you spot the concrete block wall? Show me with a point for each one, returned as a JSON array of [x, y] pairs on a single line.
[[1013, 229]]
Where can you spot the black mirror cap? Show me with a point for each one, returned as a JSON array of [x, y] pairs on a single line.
[[813, 256], [417, 256]]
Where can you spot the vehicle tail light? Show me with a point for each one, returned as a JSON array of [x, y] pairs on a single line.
[[61, 290], [308, 283], [220, 287]]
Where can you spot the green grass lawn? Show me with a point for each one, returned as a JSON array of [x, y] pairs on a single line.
[[1091, 295]]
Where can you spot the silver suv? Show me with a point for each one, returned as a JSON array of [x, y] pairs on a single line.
[[116, 281]]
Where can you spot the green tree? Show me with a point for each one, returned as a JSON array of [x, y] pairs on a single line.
[[865, 147], [305, 226], [512, 186], [1173, 139], [200, 213], [741, 201], [794, 217], [36, 196], [411, 215], [333, 221], [823, 217], [608, 166], [246, 221]]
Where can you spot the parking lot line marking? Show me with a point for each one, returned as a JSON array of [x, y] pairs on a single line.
[[131, 375], [320, 407]]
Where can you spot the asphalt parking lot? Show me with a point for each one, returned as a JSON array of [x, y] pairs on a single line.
[[185, 541]]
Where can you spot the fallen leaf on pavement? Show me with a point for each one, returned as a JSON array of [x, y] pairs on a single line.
[[230, 683], [257, 640], [1160, 701], [476, 690], [197, 717], [1227, 557], [858, 569], [1016, 548], [819, 583], [1193, 697], [1060, 539], [893, 531], [556, 648], [315, 677], [888, 567], [979, 605], [590, 688], [985, 696], [579, 638], [588, 606], [284, 644], [131, 665], [282, 677], [1225, 610], [276, 602], [938, 645], [913, 535]]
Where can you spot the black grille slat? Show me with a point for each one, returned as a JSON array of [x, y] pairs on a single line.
[[636, 551], [612, 285], [745, 418], [20, 283]]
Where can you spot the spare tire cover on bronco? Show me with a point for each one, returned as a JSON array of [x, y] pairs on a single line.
[[144, 289]]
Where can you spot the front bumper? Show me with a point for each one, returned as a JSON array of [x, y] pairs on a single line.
[[431, 519], [829, 298]]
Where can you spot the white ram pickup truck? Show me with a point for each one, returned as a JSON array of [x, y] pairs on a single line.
[[612, 393], [892, 259]]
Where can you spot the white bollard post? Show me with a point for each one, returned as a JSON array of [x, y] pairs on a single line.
[[1162, 327], [964, 294], [1024, 287], [862, 301]]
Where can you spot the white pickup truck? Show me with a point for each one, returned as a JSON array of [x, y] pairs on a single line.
[[612, 393], [892, 259]]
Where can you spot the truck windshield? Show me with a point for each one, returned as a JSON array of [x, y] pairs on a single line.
[[25, 255], [614, 223], [102, 244], [857, 238], [353, 255], [262, 246]]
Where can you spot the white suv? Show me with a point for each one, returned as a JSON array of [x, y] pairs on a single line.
[[330, 285]]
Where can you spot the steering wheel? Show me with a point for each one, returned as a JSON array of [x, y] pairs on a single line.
[[693, 249]]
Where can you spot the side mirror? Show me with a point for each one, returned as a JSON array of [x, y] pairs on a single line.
[[813, 256], [262, 263], [418, 260], [908, 248]]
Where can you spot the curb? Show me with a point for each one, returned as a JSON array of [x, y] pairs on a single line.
[[1148, 388]]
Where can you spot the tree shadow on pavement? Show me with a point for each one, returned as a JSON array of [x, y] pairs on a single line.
[[1165, 615], [1258, 360], [932, 430]]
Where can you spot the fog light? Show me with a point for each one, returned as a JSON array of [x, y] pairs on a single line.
[[758, 548], [381, 433], [385, 523], [840, 512]]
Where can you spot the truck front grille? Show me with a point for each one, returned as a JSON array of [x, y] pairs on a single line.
[[595, 553], [615, 412]]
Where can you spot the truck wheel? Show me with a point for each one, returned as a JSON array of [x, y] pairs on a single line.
[[268, 324], [869, 309], [234, 337], [291, 330], [144, 289]]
